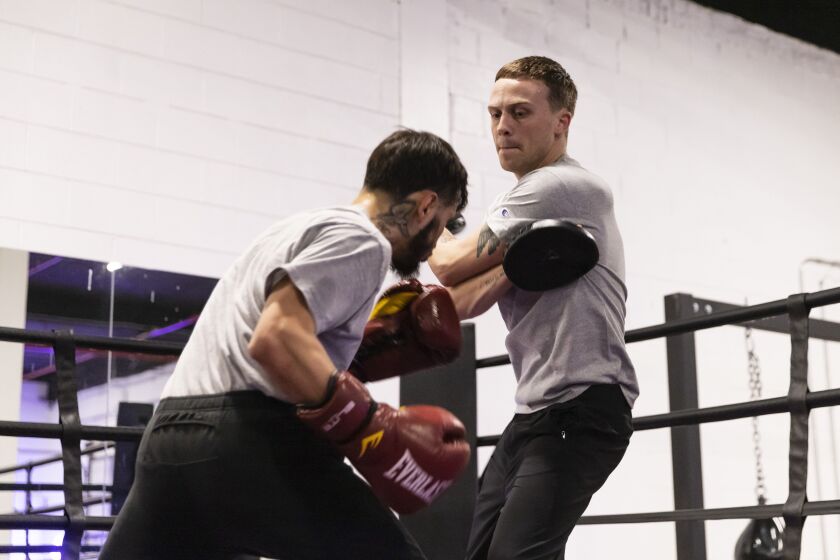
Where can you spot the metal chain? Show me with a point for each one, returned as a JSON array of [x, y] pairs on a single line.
[[754, 368]]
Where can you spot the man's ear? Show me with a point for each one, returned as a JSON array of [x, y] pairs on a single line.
[[564, 119], [427, 204]]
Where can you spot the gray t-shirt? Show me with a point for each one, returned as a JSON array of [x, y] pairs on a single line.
[[336, 258], [564, 340]]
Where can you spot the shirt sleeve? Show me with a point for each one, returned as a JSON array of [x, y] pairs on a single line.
[[538, 196], [338, 270]]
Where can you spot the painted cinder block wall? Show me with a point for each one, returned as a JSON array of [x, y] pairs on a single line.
[[167, 134]]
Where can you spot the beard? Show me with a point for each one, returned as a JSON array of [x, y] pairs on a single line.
[[406, 262]]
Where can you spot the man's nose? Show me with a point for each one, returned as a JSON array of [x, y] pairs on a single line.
[[503, 126]]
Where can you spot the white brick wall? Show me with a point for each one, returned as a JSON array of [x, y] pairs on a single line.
[[50, 15], [115, 117], [13, 140], [185, 9], [130, 129], [73, 156], [714, 135], [35, 100], [75, 62], [146, 101], [160, 81], [161, 173], [121, 27], [15, 47]]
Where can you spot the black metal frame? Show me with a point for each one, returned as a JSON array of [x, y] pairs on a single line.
[[70, 432], [681, 322], [442, 529], [798, 403], [685, 440], [29, 487], [682, 377]]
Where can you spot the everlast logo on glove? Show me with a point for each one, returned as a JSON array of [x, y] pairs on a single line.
[[409, 456], [371, 441], [413, 478]]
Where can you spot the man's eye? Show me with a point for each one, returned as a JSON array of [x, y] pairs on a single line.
[[519, 114]]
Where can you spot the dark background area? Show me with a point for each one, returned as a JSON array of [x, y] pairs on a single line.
[[813, 21], [66, 293]]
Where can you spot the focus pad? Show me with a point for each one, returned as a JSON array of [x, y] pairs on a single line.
[[550, 254]]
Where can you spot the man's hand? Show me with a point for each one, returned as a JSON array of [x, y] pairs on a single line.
[[413, 326], [409, 456], [457, 259]]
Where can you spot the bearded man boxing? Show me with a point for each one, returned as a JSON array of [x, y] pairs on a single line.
[[245, 453]]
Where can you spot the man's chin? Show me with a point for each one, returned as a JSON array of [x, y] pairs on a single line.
[[506, 163], [405, 270]]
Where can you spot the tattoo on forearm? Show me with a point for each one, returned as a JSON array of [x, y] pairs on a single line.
[[396, 217], [492, 279], [517, 232], [486, 238]]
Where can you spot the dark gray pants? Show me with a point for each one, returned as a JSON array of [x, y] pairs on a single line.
[[543, 473], [237, 474]]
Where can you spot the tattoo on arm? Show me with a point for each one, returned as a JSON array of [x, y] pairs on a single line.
[[492, 279], [396, 217], [486, 238]]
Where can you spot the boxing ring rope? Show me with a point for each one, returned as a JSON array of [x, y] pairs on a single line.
[[49, 460], [29, 487], [70, 432], [798, 403], [748, 409]]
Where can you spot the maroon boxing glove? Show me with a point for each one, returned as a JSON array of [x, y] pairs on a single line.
[[413, 326], [408, 456]]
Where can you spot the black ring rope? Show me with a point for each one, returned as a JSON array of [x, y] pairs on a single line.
[[53, 459], [43, 548], [817, 399], [717, 319], [54, 431], [749, 512], [94, 342], [47, 487], [53, 522], [798, 403], [88, 502]]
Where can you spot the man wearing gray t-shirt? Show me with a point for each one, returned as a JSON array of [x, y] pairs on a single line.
[[245, 453], [575, 381]]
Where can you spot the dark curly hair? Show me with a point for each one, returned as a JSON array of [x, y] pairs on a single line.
[[410, 160]]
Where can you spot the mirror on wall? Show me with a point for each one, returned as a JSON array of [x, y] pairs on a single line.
[[94, 298]]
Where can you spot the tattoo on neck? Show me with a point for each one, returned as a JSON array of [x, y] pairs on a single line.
[[395, 218], [486, 238]]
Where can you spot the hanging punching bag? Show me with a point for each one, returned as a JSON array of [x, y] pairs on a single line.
[[761, 540]]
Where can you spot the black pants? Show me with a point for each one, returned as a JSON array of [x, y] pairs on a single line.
[[238, 474], [544, 471]]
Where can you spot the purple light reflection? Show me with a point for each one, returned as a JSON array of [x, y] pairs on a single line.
[[189, 321]]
